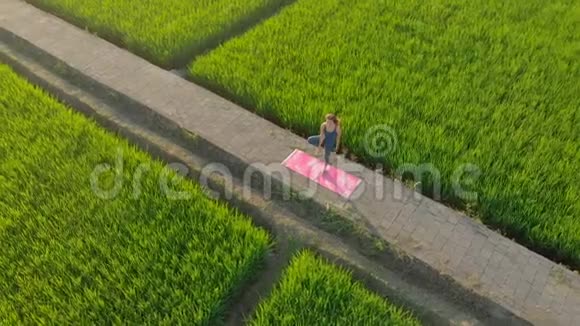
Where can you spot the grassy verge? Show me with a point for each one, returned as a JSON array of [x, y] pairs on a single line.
[[156, 250], [314, 292], [456, 84], [166, 32]]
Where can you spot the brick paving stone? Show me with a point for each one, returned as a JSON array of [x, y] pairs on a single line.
[[456, 254], [523, 288], [533, 298], [527, 273], [452, 219], [411, 224], [541, 278], [419, 233], [438, 242], [523, 282], [404, 237], [430, 233], [545, 301], [469, 269], [488, 277], [477, 243], [394, 230], [390, 216], [446, 229]]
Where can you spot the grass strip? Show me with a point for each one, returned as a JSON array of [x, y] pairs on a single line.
[[314, 292], [166, 32]]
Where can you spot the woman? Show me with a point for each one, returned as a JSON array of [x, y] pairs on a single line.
[[329, 136]]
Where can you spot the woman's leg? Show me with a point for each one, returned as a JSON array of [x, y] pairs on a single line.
[[314, 140], [327, 152]]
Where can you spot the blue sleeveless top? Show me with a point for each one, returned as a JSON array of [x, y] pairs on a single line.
[[330, 139]]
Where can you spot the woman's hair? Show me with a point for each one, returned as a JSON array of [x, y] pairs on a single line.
[[332, 116]]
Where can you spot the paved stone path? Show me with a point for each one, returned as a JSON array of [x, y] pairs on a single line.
[[524, 282]]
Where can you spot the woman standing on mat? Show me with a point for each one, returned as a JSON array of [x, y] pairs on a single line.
[[329, 136]]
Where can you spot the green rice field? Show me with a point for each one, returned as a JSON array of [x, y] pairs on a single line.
[[314, 292], [165, 32], [70, 257], [492, 83]]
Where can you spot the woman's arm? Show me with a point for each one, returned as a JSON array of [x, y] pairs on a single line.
[[338, 133], [321, 134]]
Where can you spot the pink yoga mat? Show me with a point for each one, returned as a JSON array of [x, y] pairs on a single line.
[[331, 178]]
